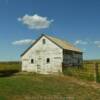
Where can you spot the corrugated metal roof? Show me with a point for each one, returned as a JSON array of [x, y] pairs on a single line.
[[64, 44]]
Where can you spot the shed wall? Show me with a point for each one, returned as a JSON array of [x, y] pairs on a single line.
[[40, 53]]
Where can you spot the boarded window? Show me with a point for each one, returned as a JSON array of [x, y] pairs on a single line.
[[48, 60], [43, 41], [32, 61]]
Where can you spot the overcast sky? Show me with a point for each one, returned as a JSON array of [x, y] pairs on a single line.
[[22, 21]]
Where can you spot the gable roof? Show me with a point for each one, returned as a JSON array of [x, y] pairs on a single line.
[[61, 43]]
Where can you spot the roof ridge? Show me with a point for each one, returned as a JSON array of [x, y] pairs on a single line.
[[59, 39]]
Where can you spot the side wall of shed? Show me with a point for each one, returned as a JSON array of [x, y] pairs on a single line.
[[72, 58]]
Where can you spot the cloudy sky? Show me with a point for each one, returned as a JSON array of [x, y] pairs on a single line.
[[22, 21]]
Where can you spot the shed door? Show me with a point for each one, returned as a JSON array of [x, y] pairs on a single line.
[[39, 64]]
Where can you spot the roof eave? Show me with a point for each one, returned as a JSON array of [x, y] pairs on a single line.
[[73, 50]]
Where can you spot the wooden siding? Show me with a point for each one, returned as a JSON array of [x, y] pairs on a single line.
[[71, 58], [40, 52]]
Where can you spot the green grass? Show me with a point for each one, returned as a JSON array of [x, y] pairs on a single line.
[[10, 66], [92, 61], [29, 85], [87, 72]]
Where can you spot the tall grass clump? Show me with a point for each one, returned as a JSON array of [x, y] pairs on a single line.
[[86, 72]]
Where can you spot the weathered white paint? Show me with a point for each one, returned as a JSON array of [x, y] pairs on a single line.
[[40, 52]]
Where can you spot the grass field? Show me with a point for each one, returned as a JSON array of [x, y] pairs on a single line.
[[9, 68], [26, 86], [29, 86]]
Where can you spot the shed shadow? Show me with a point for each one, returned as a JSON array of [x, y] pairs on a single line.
[[8, 73]]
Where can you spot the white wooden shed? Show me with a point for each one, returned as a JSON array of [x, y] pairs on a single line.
[[48, 55]]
